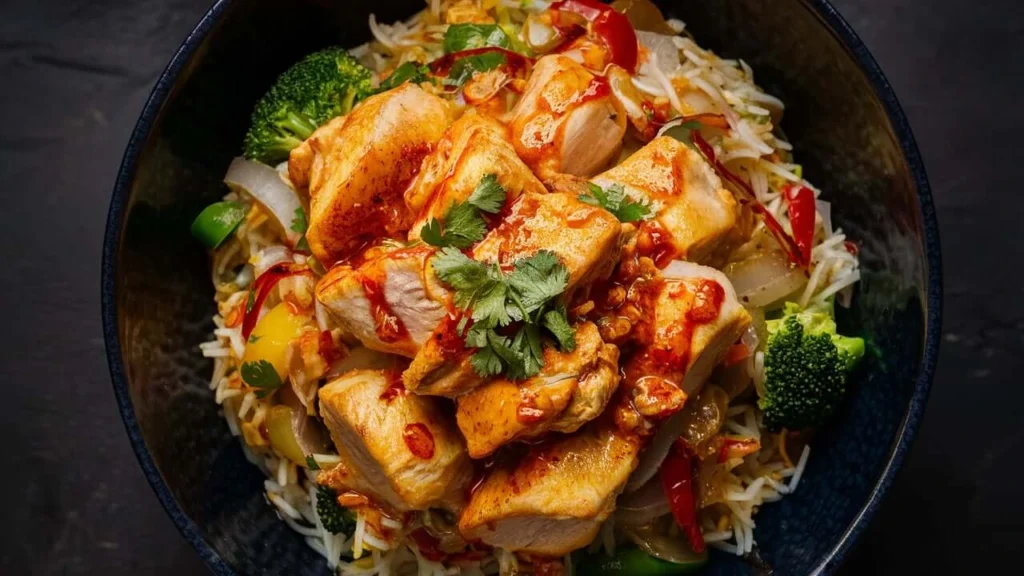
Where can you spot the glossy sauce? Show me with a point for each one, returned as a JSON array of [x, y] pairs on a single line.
[[395, 389], [527, 412], [388, 325], [419, 440]]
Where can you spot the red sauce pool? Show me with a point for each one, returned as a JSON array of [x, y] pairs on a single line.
[[419, 440]]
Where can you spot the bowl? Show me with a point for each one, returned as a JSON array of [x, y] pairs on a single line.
[[842, 117]]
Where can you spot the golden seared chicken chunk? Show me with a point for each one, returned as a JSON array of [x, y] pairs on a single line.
[[586, 240], [391, 302], [567, 120], [473, 147], [701, 219], [552, 500], [692, 317], [572, 389], [358, 167], [396, 448]]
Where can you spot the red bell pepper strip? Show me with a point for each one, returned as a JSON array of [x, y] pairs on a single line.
[[678, 479], [612, 27], [261, 288], [785, 240], [801, 208]]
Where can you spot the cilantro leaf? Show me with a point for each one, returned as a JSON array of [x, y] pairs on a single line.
[[684, 132], [557, 323], [300, 225], [459, 37], [431, 233], [529, 353], [489, 195], [464, 68], [615, 200], [486, 362], [407, 72], [261, 374], [463, 224], [458, 270], [489, 304], [311, 462], [538, 279]]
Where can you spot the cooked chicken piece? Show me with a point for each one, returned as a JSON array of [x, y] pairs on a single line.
[[391, 302], [567, 120], [357, 169], [572, 389], [693, 317], [472, 148], [554, 499], [397, 448], [701, 218], [585, 238], [465, 11]]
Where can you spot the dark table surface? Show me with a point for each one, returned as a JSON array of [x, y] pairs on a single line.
[[73, 78]]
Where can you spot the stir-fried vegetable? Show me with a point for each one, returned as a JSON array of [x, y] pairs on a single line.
[[271, 337], [677, 478], [461, 37], [217, 221], [630, 560], [407, 72], [764, 278], [261, 289], [335, 518], [806, 366], [267, 187], [319, 87], [801, 207], [610, 26]]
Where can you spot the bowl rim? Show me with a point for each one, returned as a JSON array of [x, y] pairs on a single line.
[[832, 21]]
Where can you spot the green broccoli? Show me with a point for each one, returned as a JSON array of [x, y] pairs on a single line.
[[319, 87], [335, 518], [806, 365]]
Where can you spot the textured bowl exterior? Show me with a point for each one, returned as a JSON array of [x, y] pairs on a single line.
[[848, 131]]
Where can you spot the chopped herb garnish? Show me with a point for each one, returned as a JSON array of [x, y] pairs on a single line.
[[300, 225], [495, 299], [615, 200], [311, 462], [459, 37], [463, 225], [407, 72], [682, 132], [254, 339], [261, 374], [464, 68]]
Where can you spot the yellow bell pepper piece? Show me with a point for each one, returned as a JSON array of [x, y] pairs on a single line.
[[271, 336]]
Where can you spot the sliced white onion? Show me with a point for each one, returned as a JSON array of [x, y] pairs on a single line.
[[267, 187], [265, 259], [662, 45], [764, 279], [644, 505], [651, 459], [539, 35], [825, 209]]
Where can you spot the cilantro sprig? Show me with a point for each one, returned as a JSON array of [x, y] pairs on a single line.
[[463, 225], [495, 299], [615, 200], [300, 225], [261, 374]]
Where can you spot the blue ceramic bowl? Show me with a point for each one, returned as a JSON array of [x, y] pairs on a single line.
[[842, 117]]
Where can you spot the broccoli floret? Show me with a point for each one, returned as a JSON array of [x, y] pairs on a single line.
[[806, 365], [319, 87], [335, 518]]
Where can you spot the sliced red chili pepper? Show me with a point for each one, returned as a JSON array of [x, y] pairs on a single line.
[[784, 239], [261, 288], [742, 445], [678, 479], [801, 209], [612, 27]]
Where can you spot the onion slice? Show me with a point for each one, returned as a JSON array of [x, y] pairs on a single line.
[[642, 506], [267, 187], [763, 279], [655, 454]]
